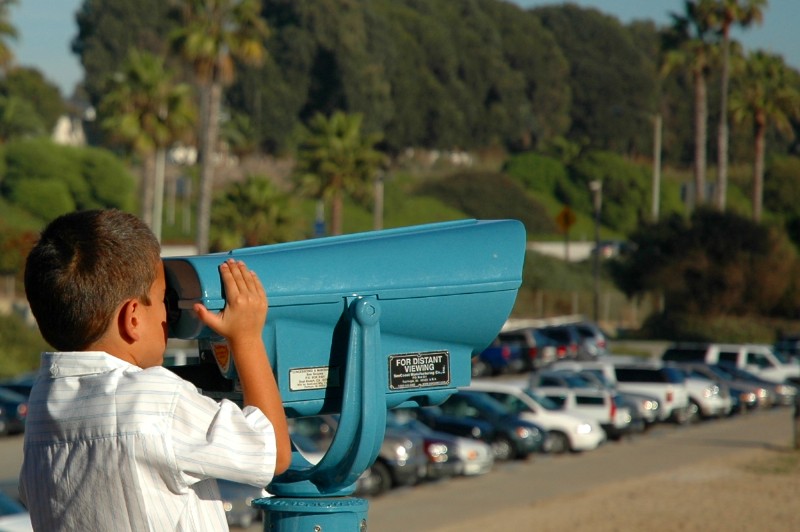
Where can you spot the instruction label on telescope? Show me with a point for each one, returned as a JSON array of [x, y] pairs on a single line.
[[419, 370], [316, 378]]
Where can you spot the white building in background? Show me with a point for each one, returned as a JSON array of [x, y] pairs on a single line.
[[68, 131]]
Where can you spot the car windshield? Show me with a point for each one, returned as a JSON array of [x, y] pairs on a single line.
[[596, 376], [573, 380], [545, 402], [782, 358], [741, 373], [487, 404]]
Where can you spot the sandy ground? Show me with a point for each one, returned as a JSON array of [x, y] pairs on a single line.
[[753, 490]]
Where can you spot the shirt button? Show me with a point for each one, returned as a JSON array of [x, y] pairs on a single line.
[[54, 371]]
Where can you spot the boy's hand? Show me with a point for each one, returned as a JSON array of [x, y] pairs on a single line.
[[246, 303]]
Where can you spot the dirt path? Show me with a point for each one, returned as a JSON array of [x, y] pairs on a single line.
[[736, 474]]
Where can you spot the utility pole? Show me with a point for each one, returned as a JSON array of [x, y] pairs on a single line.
[[596, 186]]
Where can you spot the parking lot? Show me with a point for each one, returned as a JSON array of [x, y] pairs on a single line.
[[736, 473]]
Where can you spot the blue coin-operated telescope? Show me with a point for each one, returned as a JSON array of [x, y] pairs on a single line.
[[357, 324]]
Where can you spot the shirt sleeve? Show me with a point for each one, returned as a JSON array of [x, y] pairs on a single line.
[[214, 439]]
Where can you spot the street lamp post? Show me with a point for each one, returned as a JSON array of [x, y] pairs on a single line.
[[596, 186]]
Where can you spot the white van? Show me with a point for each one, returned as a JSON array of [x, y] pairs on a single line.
[[759, 359]]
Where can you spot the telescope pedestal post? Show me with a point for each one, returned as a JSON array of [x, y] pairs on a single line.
[[306, 497]]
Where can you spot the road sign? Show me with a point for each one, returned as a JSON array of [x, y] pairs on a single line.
[[565, 219]]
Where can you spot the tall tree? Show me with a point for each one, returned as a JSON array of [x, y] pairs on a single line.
[[689, 47], [726, 14], [214, 33], [146, 110], [108, 29], [337, 159], [766, 95], [7, 31]]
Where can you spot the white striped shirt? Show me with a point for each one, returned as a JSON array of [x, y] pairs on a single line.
[[112, 447]]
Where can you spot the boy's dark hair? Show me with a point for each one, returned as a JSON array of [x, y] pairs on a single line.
[[83, 267]]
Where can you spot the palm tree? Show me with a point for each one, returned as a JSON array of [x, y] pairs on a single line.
[[726, 14], [146, 110], [214, 33], [7, 31], [689, 48], [337, 159], [254, 212], [766, 95]]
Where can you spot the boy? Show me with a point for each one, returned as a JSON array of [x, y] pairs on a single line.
[[113, 440]]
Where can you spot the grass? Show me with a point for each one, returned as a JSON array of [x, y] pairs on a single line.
[[783, 463]]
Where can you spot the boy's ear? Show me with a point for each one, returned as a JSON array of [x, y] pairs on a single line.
[[128, 321]]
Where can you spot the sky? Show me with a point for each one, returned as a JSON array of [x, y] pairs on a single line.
[[47, 27]]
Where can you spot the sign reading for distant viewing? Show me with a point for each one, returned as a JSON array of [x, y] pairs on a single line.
[[419, 370]]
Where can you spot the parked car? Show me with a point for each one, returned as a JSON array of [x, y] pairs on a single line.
[[565, 340], [500, 357], [237, 501], [460, 456], [21, 384], [565, 432], [708, 398], [313, 451], [594, 340], [533, 342], [666, 383], [476, 415], [600, 405], [439, 447], [756, 358], [13, 516], [782, 393], [401, 461], [13, 412], [788, 347], [558, 378], [644, 407], [744, 395]]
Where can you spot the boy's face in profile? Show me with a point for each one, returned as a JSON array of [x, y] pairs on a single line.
[[154, 322]]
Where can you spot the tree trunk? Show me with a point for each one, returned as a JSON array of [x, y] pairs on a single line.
[[158, 199], [336, 212], [208, 134], [758, 165], [700, 136], [337, 204], [722, 133], [147, 189]]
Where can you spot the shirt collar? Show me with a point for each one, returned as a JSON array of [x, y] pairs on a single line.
[[70, 364]]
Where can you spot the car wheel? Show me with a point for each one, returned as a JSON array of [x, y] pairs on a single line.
[[694, 414], [503, 449], [557, 442], [246, 520], [683, 416], [384, 477]]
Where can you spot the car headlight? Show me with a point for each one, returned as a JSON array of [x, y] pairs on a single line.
[[437, 452], [401, 452], [522, 433]]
